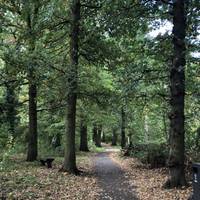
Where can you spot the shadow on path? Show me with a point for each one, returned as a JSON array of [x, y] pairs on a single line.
[[112, 178]]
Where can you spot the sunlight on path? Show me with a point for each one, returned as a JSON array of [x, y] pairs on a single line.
[[112, 150]]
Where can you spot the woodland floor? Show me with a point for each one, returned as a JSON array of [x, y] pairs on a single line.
[[26, 181], [148, 183], [107, 176]]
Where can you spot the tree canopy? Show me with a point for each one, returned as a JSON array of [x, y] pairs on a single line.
[[75, 73]]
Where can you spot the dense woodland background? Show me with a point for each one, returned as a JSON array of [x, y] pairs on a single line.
[[77, 73]]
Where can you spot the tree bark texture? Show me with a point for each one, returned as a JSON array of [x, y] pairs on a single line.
[[31, 19], [69, 164], [32, 135], [177, 94]]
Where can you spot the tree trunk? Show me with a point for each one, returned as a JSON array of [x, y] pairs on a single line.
[[197, 140], [103, 139], [177, 93], [32, 135], [114, 137], [69, 164], [83, 137], [98, 138], [56, 141], [123, 121], [11, 108], [94, 136], [130, 142], [146, 129], [165, 127]]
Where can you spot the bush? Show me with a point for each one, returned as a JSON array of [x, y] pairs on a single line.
[[152, 154], [8, 151]]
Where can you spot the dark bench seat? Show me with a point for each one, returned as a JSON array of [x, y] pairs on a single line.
[[47, 161]]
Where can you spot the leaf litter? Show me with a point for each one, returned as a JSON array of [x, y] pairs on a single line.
[[149, 183], [31, 181]]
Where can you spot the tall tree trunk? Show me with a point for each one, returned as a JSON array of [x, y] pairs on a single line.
[[69, 164], [114, 137], [123, 121], [177, 92], [32, 135], [83, 137], [31, 19]]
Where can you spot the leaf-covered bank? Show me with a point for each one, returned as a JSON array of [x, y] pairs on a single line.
[[32, 181]]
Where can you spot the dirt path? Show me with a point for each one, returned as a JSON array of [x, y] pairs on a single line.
[[112, 178]]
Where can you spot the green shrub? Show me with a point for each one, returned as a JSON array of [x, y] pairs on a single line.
[[152, 154]]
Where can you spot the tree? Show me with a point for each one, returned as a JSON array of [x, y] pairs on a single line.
[[94, 135], [83, 136], [114, 137], [31, 21], [177, 96], [123, 121], [69, 164], [11, 101], [103, 139], [98, 137]]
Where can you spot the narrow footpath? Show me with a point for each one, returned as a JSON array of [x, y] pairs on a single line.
[[112, 178]]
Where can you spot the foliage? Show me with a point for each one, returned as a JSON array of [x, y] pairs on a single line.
[[122, 64]]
